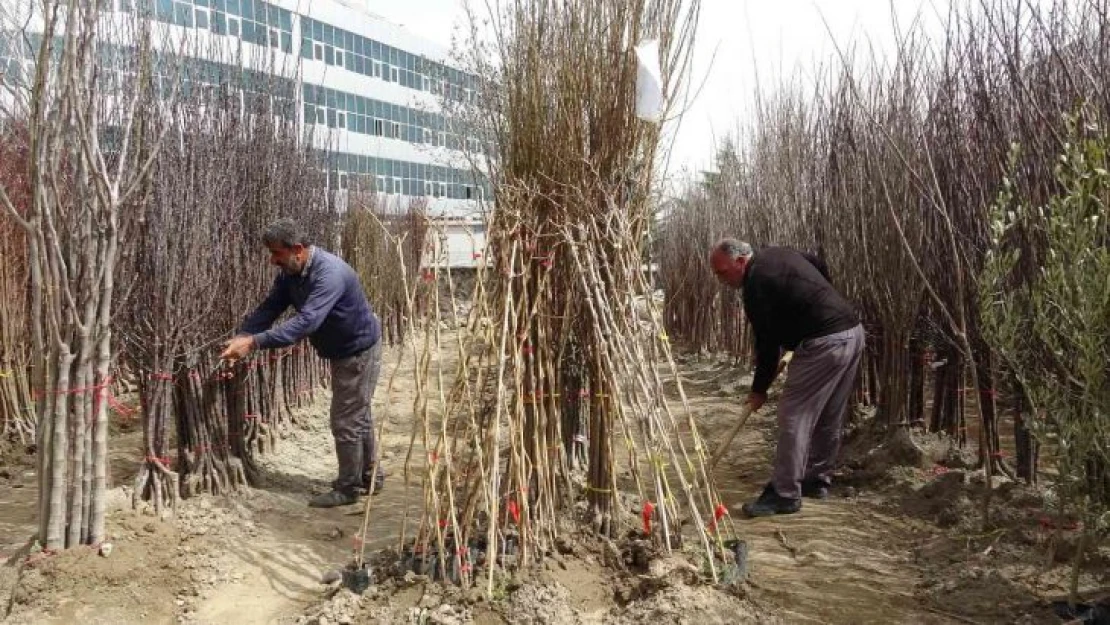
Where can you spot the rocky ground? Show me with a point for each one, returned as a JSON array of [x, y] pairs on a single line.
[[900, 541]]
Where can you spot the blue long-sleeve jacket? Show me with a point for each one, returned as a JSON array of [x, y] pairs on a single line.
[[332, 310]]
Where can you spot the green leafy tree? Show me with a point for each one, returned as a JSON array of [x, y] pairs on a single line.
[[1046, 309]]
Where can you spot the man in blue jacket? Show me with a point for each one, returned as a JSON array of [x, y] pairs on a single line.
[[332, 311]]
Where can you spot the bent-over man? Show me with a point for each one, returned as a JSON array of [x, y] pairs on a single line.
[[792, 305], [332, 311]]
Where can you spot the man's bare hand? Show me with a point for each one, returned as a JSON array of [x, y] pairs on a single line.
[[756, 400], [238, 347]]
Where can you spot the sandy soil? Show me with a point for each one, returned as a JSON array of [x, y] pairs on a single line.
[[902, 549]]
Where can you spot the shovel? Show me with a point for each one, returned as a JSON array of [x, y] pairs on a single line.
[[356, 577]]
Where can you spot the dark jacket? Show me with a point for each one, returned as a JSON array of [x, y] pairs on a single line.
[[788, 298], [332, 310]]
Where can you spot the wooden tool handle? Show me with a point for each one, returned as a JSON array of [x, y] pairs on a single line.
[[723, 447], [744, 414]]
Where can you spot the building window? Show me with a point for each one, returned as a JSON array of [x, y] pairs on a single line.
[[393, 76], [339, 57], [342, 181], [233, 27], [219, 23], [183, 15], [397, 185], [340, 120], [427, 136], [201, 18], [427, 188], [378, 130], [442, 190], [319, 49], [396, 129], [377, 69]]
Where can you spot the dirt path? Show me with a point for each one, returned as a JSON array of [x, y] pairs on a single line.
[[276, 571], [840, 560]]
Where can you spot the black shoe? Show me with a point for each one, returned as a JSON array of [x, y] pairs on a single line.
[[363, 487], [379, 484], [815, 488], [770, 503], [332, 499]]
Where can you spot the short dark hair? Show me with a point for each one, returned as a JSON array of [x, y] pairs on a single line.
[[284, 232], [733, 248]]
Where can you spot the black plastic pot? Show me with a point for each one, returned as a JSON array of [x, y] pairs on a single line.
[[1088, 614]]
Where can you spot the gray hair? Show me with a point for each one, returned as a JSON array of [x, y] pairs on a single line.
[[285, 233], [734, 248]]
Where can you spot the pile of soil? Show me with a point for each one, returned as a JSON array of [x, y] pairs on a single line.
[[148, 570], [874, 456], [138, 576], [571, 589], [1010, 568]]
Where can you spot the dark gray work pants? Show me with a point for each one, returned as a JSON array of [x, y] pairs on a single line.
[[353, 380], [819, 383]]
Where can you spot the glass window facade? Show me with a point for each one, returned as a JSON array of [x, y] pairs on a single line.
[[377, 118], [377, 60], [253, 21], [265, 24], [382, 174]]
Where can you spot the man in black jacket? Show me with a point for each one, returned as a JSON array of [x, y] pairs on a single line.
[[793, 306]]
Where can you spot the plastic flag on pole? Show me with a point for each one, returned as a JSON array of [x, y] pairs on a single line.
[[649, 82]]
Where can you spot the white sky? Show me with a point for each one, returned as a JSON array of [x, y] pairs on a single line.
[[779, 38]]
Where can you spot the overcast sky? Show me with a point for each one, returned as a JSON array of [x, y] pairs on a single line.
[[738, 41]]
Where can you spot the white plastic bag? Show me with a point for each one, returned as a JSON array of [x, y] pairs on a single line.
[[649, 82]]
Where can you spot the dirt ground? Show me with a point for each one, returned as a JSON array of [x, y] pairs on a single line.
[[894, 544]]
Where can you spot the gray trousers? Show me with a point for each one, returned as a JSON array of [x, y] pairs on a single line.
[[353, 381], [819, 383]]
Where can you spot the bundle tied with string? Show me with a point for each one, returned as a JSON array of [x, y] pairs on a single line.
[[17, 415], [566, 411], [197, 233]]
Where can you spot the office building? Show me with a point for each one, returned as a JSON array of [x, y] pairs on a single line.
[[367, 92]]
